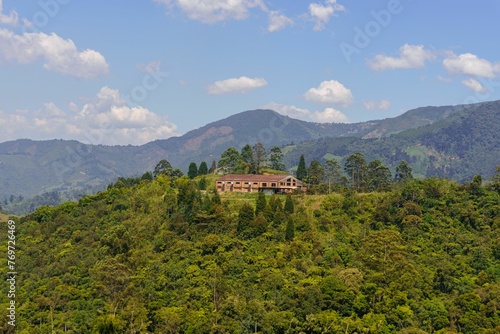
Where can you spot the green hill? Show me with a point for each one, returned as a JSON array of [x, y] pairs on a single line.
[[457, 147], [160, 258], [452, 141]]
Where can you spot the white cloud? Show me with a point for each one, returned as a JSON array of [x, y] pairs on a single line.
[[410, 56], [106, 120], [377, 105], [329, 115], [330, 92], [321, 14], [239, 85], [470, 64], [213, 11], [474, 85], [11, 19], [443, 79], [58, 54], [289, 110], [278, 21]]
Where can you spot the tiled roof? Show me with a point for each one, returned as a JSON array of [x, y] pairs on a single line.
[[254, 178]]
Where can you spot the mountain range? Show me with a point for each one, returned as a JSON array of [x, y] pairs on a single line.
[[449, 141]]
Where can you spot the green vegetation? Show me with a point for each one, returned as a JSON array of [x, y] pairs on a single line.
[[160, 256], [454, 142]]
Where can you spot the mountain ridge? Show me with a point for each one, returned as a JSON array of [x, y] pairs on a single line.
[[29, 167]]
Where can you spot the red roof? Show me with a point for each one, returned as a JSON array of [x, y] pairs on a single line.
[[255, 178]]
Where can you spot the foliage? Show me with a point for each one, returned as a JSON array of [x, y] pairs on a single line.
[[203, 169], [259, 156], [192, 170], [403, 172], [315, 173], [153, 256], [229, 160], [301, 169], [355, 168], [276, 159]]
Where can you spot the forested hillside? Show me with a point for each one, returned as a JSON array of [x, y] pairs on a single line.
[[160, 256], [455, 142], [457, 147]]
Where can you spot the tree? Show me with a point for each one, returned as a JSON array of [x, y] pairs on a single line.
[[202, 184], [148, 176], [245, 219], [495, 182], [314, 173], [192, 170], [248, 158], [378, 176], [276, 159], [259, 155], [213, 167], [216, 198], [261, 203], [355, 167], [332, 173], [229, 159], [290, 229], [163, 167], [203, 169], [188, 198], [403, 172], [289, 207], [259, 225], [301, 169]]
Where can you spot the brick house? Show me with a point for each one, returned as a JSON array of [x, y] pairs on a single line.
[[269, 184]]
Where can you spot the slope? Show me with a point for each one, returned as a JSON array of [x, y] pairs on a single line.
[[460, 146], [156, 259]]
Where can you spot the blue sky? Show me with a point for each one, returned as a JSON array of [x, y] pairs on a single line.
[[132, 71]]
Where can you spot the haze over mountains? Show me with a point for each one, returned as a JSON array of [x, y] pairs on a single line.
[[450, 141]]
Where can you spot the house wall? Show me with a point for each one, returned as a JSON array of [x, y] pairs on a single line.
[[250, 186]]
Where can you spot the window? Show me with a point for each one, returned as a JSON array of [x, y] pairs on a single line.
[[273, 184], [264, 184]]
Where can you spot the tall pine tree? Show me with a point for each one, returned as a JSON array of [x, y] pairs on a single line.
[[301, 169]]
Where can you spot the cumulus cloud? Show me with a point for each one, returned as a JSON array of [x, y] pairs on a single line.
[[377, 105], [475, 85], [11, 19], [278, 21], [329, 115], [59, 55], [236, 85], [214, 11], [410, 56], [288, 110], [321, 13], [330, 92], [106, 120], [470, 64]]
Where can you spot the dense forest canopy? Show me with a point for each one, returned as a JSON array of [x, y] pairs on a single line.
[[158, 255]]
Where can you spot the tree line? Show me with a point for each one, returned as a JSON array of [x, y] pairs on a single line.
[[157, 255], [356, 173]]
